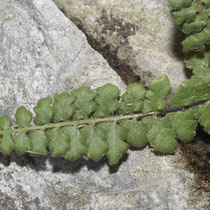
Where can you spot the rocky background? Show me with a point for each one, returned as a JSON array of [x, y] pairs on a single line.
[[44, 52], [135, 36]]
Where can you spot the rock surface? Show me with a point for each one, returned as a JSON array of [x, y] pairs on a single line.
[[42, 52], [136, 35]]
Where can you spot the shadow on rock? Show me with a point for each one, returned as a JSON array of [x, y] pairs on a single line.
[[59, 164], [177, 48]]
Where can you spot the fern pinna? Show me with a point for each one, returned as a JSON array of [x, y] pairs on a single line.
[[101, 122], [98, 123]]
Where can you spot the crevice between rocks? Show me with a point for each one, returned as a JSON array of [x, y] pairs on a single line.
[[120, 66]]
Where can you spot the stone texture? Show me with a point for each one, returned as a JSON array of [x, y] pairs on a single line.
[[138, 34], [42, 52]]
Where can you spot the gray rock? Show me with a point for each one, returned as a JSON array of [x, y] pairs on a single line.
[[42, 52], [139, 34]]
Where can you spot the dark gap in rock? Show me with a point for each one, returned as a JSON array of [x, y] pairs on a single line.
[[120, 66]]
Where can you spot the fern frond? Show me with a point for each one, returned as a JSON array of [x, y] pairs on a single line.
[[101, 123], [193, 17]]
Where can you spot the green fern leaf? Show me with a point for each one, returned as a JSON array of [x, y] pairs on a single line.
[[63, 107], [85, 104], [178, 4], [156, 97], [192, 16], [196, 25], [197, 41], [94, 140], [148, 122], [135, 133], [59, 143], [187, 14], [117, 147], [6, 144], [44, 111], [22, 142], [199, 62], [23, 117], [183, 125], [106, 100], [131, 100], [165, 141], [162, 136], [39, 142], [77, 149], [5, 122]]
